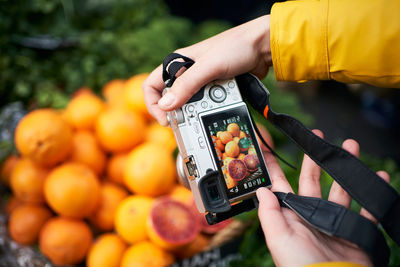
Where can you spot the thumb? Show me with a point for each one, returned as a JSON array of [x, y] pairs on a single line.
[[272, 220], [187, 84]]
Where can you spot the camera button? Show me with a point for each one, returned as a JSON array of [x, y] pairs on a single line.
[[231, 84], [217, 93], [204, 104], [202, 144], [190, 108], [196, 126]]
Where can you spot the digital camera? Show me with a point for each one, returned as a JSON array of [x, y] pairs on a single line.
[[220, 155]]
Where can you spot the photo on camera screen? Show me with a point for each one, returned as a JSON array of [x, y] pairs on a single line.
[[238, 158]]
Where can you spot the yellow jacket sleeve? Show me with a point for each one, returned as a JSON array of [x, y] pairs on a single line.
[[348, 41]]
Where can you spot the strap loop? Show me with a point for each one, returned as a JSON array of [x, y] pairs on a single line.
[[171, 67]]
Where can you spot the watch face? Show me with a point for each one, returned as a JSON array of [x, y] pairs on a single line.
[[238, 156]]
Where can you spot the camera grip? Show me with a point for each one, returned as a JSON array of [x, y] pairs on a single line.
[[243, 206]]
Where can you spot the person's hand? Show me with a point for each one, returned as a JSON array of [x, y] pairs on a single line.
[[291, 241], [244, 48]]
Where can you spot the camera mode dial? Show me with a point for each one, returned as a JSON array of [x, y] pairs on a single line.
[[217, 93]]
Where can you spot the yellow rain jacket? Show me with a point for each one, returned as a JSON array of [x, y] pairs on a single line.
[[350, 41]]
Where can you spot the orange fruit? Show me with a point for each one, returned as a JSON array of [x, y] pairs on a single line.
[[220, 145], [171, 224], [133, 94], [119, 130], [252, 150], [146, 254], [182, 194], [241, 156], [44, 136], [233, 129], [106, 251], [225, 137], [150, 170], [12, 203], [232, 149], [113, 92], [163, 136], [115, 168], [130, 218], [25, 222], [230, 182], [81, 91], [110, 197], [65, 241], [83, 110], [72, 190], [86, 150], [27, 180], [242, 135], [236, 139], [7, 167]]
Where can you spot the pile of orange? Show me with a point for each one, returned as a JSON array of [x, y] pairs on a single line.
[[89, 182], [227, 142]]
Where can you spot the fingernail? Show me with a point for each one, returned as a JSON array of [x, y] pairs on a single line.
[[167, 100], [258, 193]]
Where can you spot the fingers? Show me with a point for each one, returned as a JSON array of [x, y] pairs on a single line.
[[309, 180], [152, 89], [266, 136], [270, 215], [186, 85], [278, 179], [337, 194], [385, 176]]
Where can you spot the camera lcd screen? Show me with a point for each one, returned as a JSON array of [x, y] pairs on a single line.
[[234, 146]]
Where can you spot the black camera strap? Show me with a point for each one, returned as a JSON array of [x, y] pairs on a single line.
[[335, 220], [363, 185]]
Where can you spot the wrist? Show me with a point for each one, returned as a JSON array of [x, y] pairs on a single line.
[[262, 39]]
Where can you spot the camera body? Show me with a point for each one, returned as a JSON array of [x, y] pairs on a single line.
[[220, 155]]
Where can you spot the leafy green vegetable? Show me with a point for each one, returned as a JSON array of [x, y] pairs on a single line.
[[52, 48]]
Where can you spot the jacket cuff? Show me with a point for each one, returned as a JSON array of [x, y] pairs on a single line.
[[298, 33]]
